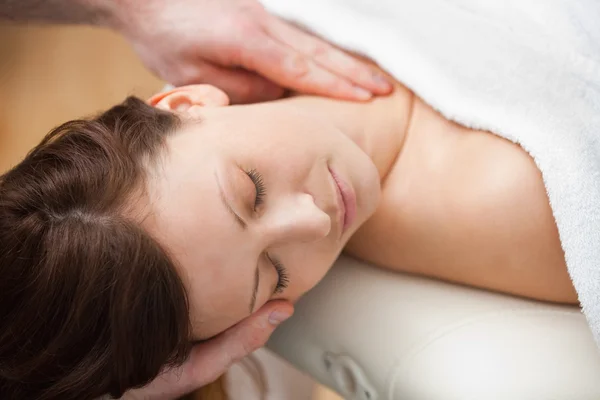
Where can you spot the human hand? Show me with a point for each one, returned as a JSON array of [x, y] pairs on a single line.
[[239, 47], [211, 359]]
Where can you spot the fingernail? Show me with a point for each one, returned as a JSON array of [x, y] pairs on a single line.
[[382, 81], [277, 317], [361, 93]]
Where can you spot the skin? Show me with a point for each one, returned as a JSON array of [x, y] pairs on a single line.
[[239, 47], [468, 207], [434, 198], [233, 44], [209, 360]]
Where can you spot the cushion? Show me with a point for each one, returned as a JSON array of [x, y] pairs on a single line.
[[374, 334]]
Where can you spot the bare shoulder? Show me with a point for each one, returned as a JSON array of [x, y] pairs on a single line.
[[469, 207]]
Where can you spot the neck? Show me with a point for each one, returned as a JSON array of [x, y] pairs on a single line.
[[378, 127]]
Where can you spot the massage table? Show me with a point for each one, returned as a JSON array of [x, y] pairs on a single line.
[[372, 334]]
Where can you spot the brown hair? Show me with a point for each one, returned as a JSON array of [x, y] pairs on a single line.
[[90, 304]]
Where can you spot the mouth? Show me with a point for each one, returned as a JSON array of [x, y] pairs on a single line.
[[346, 200]]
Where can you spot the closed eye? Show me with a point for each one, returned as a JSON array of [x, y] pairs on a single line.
[[282, 275], [259, 185]]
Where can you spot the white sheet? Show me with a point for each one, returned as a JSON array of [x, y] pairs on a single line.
[[528, 71]]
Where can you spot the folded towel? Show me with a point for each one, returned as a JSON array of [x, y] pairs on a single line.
[[528, 71]]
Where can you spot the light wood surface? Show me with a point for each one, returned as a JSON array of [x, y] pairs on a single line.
[[51, 74]]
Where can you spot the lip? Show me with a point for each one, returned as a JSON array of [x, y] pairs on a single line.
[[346, 199]]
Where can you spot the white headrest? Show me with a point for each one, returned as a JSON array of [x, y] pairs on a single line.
[[374, 334]]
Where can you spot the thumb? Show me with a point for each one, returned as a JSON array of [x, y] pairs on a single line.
[[212, 358]]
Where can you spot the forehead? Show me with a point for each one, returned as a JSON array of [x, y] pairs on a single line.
[[276, 123], [188, 218]]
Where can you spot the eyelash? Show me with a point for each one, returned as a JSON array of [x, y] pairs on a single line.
[[282, 275], [259, 184], [283, 278]]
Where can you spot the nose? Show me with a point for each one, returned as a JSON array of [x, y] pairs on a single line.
[[296, 218]]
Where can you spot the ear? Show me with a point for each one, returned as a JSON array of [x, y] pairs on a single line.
[[183, 99]]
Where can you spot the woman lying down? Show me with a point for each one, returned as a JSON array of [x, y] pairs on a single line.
[[159, 224]]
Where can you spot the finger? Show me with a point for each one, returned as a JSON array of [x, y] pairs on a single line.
[[291, 69], [328, 56], [240, 85], [211, 359]]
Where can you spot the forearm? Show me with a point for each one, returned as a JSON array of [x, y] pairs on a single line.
[[95, 12]]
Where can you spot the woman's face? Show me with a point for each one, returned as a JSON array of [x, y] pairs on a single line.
[[254, 203]]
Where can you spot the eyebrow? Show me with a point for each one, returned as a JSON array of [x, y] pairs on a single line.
[[242, 225]]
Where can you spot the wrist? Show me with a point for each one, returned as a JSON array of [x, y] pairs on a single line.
[[126, 17], [118, 15], [94, 12], [108, 13]]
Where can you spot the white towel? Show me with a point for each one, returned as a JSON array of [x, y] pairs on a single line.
[[527, 70]]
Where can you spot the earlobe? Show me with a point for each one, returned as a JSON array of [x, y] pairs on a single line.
[[182, 98]]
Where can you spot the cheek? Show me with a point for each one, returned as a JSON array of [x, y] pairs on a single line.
[[217, 288], [307, 267], [216, 307]]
